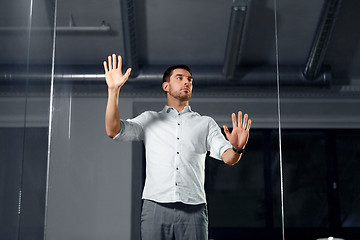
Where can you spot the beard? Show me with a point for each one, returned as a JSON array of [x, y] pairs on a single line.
[[180, 95]]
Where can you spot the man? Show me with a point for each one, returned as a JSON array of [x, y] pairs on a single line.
[[176, 141]]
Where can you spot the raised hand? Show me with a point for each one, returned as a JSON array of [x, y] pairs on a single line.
[[240, 133], [113, 74]]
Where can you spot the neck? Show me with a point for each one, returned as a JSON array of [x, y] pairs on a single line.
[[177, 104]]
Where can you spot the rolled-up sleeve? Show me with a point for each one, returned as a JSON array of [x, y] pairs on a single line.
[[131, 130], [217, 144]]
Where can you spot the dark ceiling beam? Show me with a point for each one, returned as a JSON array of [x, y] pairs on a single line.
[[129, 35], [235, 37], [321, 41]]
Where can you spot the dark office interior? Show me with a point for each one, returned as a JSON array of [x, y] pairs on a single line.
[[293, 66]]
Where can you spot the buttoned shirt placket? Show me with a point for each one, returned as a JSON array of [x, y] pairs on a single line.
[[174, 166], [178, 156]]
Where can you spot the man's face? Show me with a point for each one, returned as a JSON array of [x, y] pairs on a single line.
[[180, 85]]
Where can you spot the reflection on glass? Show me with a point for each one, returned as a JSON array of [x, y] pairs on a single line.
[[24, 106], [305, 174], [348, 155], [320, 135], [12, 133]]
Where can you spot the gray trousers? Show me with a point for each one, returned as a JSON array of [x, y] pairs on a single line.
[[173, 221]]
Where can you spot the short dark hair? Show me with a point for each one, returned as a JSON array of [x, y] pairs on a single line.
[[168, 72]]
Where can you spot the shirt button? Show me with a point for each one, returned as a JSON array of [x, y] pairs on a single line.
[[177, 168], [178, 123], [177, 138], [175, 184], [177, 152]]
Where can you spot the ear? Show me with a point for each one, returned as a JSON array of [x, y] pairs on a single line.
[[165, 86]]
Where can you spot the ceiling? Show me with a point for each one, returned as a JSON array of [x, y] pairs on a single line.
[[177, 32]]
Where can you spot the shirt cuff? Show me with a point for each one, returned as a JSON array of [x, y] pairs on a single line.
[[122, 126], [224, 148], [117, 136], [221, 151]]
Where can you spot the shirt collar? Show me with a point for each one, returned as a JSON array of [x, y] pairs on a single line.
[[168, 109]]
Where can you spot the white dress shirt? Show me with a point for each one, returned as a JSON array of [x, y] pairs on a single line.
[[176, 144]]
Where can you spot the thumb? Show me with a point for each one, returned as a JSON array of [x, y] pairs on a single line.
[[227, 132], [127, 74]]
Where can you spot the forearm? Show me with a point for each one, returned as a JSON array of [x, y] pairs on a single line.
[[112, 116], [230, 157]]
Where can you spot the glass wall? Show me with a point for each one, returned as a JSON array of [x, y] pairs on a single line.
[[320, 127], [26, 41], [63, 177], [94, 183]]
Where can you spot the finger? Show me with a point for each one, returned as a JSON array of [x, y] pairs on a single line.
[[233, 120], [114, 61], [248, 125], [127, 74], [110, 62], [239, 118], [119, 62], [245, 120], [105, 67]]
